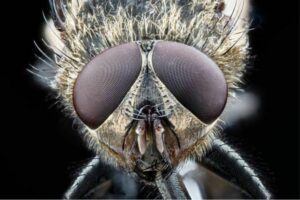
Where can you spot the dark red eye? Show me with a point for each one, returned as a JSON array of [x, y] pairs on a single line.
[[104, 82], [192, 77]]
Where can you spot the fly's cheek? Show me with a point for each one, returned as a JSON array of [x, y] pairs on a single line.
[[104, 82], [192, 77]]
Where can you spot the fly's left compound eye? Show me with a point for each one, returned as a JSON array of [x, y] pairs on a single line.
[[104, 82], [192, 77]]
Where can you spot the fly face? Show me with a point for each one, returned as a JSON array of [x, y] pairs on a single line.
[[149, 80], [152, 103]]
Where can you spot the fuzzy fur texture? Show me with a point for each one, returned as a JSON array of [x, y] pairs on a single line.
[[90, 27]]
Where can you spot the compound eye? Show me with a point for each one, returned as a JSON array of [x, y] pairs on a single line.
[[192, 77], [104, 82]]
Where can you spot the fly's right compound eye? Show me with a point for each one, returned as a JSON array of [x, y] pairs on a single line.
[[104, 82]]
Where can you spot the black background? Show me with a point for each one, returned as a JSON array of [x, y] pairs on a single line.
[[39, 150]]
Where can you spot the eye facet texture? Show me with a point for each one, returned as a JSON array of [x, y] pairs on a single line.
[[192, 77], [104, 82]]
